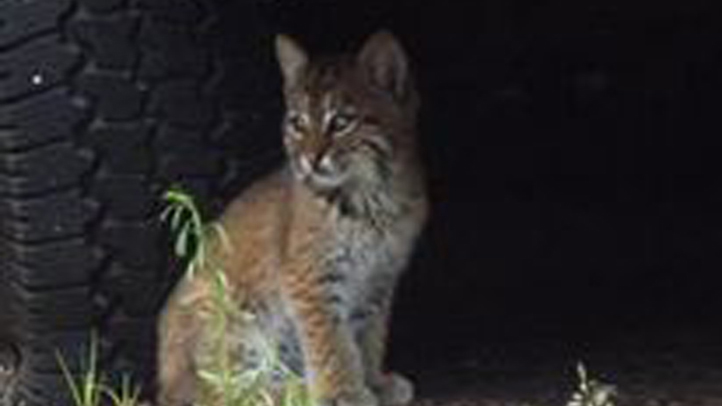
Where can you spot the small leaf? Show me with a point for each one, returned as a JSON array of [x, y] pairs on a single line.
[[183, 242], [167, 210], [176, 219], [210, 378], [69, 379], [223, 237]]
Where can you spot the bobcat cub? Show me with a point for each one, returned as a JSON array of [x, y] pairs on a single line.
[[315, 249]]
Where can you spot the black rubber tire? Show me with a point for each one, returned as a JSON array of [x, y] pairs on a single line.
[[103, 105]]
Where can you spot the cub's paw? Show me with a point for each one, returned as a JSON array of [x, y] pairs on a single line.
[[395, 390], [360, 398]]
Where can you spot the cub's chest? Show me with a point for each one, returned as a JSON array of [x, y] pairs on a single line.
[[358, 252]]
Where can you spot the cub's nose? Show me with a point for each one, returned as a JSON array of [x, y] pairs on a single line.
[[324, 165]]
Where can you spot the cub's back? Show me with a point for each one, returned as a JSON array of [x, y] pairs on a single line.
[[253, 225]]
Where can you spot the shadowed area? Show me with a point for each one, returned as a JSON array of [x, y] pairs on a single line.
[[575, 187]]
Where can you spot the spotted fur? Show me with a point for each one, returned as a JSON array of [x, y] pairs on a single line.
[[316, 248]]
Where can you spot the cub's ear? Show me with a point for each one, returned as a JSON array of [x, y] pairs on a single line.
[[291, 58], [384, 60]]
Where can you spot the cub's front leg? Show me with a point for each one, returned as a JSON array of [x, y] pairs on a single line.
[[178, 333], [333, 363], [392, 388]]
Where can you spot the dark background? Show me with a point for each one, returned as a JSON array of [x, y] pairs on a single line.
[[571, 148], [573, 160]]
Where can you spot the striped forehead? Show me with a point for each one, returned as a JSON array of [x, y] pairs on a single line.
[[326, 75], [325, 84]]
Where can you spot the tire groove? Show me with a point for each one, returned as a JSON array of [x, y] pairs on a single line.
[[28, 40], [19, 98], [37, 17]]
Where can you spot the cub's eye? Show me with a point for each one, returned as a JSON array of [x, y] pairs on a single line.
[[296, 122], [340, 123]]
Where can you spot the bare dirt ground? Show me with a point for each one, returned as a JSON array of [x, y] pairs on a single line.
[[648, 368], [513, 305]]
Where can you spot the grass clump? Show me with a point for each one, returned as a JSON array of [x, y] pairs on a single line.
[[591, 392], [268, 382], [90, 388]]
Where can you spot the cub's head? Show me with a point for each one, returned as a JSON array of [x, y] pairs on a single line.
[[348, 118]]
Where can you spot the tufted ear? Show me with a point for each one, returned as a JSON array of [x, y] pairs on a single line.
[[384, 60], [291, 58]]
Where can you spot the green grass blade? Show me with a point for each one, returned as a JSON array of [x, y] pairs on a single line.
[[182, 242], [69, 379]]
